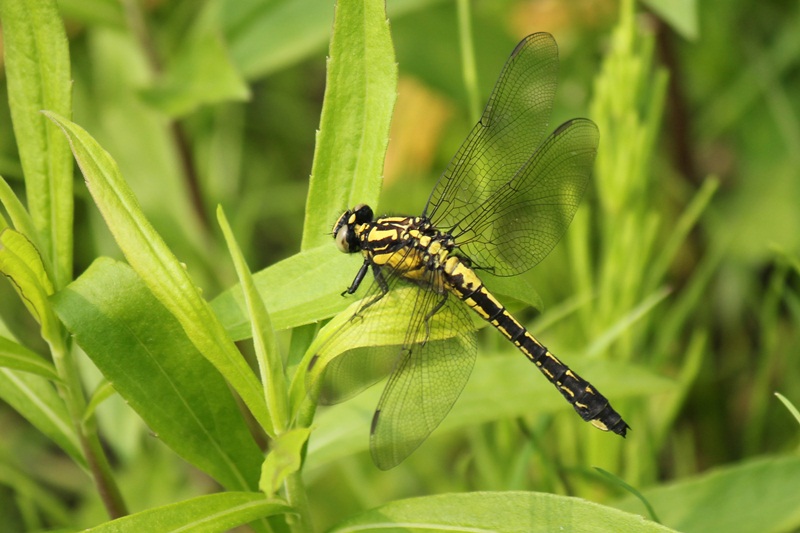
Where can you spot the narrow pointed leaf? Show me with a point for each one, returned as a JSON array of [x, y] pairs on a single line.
[[266, 347], [17, 357], [510, 512], [204, 514], [143, 352], [38, 72], [285, 458], [22, 264], [789, 406], [25, 250], [360, 92], [36, 400], [103, 392], [17, 212], [302, 289], [158, 267]]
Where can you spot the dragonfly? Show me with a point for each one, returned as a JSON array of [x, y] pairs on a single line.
[[501, 205]]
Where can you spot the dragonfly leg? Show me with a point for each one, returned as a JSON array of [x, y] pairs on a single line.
[[358, 279], [379, 279], [429, 316], [383, 285]]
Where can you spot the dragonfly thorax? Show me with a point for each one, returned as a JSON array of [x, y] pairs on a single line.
[[410, 246]]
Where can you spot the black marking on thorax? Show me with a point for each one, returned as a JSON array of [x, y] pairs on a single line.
[[406, 243]]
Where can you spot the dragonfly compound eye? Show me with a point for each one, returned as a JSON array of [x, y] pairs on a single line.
[[342, 239], [363, 213]]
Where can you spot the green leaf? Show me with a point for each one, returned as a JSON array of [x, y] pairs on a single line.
[[22, 264], [304, 288], [19, 216], [387, 328], [145, 354], [789, 406], [158, 267], [680, 231], [19, 244], [16, 356], [510, 512], [35, 399], [343, 429], [37, 66], [388, 320], [284, 458], [273, 35], [211, 513], [758, 495], [201, 72], [360, 91], [266, 347], [104, 391], [624, 324], [631, 489], [680, 14]]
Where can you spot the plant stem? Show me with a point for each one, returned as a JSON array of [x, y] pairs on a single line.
[[468, 58], [103, 478], [72, 393], [298, 497]]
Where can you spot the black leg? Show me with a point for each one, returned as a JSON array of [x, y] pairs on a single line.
[[358, 279], [428, 317]]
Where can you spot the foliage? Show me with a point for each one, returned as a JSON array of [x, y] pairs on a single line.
[[133, 398]]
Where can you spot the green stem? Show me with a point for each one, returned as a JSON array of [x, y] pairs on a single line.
[[72, 393], [103, 477], [297, 496], [468, 59], [294, 486]]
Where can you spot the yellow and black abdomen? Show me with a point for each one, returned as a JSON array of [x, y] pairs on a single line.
[[587, 401]]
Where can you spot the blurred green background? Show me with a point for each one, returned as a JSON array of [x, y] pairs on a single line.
[[206, 103]]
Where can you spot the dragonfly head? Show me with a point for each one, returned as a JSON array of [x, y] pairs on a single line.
[[348, 229]]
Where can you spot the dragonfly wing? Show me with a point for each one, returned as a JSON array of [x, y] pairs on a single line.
[[434, 366], [361, 350], [513, 125], [523, 220]]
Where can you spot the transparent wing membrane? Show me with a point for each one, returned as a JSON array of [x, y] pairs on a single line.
[[363, 350], [509, 194], [428, 379], [512, 126], [424, 339], [523, 220]]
